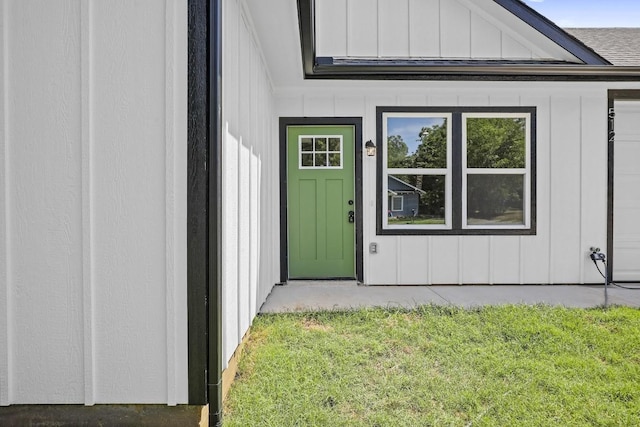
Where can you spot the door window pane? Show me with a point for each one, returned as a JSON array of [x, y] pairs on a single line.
[[321, 159], [495, 199], [307, 160], [307, 144], [324, 152], [334, 144]]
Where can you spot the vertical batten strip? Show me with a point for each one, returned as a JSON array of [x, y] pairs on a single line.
[[491, 260], [460, 260], [379, 26], [581, 167], [409, 44], [348, 19], [398, 260], [4, 208], [170, 200], [440, 28], [430, 260], [550, 192], [87, 205], [522, 258]]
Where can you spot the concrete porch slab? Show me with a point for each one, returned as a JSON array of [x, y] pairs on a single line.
[[322, 295]]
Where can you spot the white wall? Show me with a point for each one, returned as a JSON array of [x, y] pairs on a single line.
[[250, 255], [571, 182], [93, 202], [428, 29]]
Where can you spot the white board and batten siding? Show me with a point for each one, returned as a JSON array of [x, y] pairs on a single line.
[[571, 201], [93, 202], [626, 214], [250, 254], [427, 29]]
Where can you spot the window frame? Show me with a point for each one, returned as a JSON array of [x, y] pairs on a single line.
[[446, 172], [455, 191], [313, 152], [525, 172]]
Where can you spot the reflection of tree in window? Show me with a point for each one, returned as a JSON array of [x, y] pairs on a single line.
[[494, 143], [397, 151], [495, 199], [432, 151]]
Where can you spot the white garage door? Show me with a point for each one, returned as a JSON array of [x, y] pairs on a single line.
[[626, 202]]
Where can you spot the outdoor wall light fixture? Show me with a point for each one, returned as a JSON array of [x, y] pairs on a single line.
[[370, 147]]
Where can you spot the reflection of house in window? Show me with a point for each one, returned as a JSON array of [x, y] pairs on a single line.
[[396, 203], [404, 198]]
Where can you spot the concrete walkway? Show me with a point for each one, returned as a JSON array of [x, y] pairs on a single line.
[[313, 296]]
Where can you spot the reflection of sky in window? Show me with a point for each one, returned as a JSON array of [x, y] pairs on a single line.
[[409, 128]]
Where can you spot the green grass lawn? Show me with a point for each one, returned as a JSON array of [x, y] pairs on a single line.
[[415, 220], [494, 366]]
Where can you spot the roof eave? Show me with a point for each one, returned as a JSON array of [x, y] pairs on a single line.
[[595, 67], [327, 68]]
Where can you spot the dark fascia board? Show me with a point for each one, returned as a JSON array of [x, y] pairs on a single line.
[[307, 26], [553, 32], [595, 68], [375, 69]]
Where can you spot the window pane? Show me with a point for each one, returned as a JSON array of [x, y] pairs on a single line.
[[321, 144], [321, 159], [334, 144], [423, 199], [495, 199], [417, 142], [496, 142], [307, 160], [307, 144], [334, 159]]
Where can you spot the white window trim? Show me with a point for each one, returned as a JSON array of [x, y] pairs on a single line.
[[526, 172], [447, 173], [300, 152]]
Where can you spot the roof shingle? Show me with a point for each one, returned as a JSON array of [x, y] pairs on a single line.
[[620, 46]]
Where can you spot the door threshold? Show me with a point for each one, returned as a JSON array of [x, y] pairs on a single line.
[[318, 282]]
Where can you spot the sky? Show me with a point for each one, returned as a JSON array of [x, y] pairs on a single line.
[[589, 13], [409, 129]]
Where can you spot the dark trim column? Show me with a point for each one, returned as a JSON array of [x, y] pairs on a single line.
[[197, 198], [204, 215], [215, 214], [610, 172]]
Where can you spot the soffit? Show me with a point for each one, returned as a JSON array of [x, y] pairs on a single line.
[[276, 26]]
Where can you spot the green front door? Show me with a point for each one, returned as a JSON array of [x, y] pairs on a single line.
[[321, 202]]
